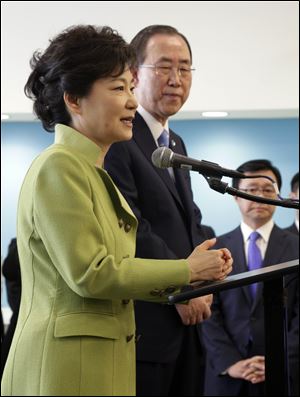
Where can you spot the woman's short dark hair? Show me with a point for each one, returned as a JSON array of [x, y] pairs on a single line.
[[73, 61], [257, 165], [140, 41]]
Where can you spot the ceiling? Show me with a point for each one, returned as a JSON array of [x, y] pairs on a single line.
[[246, 53]]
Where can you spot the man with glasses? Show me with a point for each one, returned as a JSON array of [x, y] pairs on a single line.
[[294, 194], [169, 353], [234, 334]]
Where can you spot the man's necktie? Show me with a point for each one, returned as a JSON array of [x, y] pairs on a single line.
[[254, 258], [163, 139]]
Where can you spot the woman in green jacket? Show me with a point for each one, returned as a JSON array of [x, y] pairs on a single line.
[[76, 233]]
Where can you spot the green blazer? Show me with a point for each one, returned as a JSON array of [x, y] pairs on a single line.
[[76, 240]]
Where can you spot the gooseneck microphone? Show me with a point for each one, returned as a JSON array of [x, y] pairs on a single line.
[[164, 157]]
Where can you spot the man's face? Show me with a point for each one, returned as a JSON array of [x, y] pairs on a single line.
[[162, 95], [257, 214]]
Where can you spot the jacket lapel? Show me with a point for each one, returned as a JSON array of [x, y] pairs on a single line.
[[272, 257], [144, 139], [240, 263], [123, 211], [182, 178]]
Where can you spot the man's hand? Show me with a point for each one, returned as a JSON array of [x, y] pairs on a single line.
[[252, 369], [196, 311], [255, 372]]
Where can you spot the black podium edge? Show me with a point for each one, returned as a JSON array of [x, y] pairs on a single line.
[[201, 288]]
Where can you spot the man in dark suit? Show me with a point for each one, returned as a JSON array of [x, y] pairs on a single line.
[[169, 353], [294, 228], [234, 335], [12, 274]]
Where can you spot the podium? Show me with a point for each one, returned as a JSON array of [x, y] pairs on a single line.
[[274, 301]]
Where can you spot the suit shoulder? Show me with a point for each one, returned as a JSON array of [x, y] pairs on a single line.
[[208, 231], [285, 233], [228, 237], [120, 152], [292, 238], [292, 229], [57, 156]]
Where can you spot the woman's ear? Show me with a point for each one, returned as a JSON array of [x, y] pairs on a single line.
[[72, 102], [134, 72]]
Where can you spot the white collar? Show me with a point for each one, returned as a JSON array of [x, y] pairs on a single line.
[[155, 126], [265, 230]]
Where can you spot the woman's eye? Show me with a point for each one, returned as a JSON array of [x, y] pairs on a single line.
[[132, 89], [120, 88]]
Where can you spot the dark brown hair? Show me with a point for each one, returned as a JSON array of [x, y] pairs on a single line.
[[258, 165], [140, 41], [73, 61]]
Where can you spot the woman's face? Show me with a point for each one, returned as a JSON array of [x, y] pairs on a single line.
[[105, 115]]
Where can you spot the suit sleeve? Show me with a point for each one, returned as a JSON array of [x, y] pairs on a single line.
[[221, 351]]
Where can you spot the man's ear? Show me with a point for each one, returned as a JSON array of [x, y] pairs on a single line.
[[72, 102]]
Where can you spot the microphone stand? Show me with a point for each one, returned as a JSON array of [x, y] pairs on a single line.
[[215, 183]]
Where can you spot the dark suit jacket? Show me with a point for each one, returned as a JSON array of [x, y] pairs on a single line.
[[11, 272], [208, 232], [292, 229], [169, 227], [236, 321]]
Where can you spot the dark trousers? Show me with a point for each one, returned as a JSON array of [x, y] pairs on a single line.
[[184, 376], [7, 339]]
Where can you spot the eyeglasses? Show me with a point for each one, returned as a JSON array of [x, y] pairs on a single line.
[[267, 191], [183, 71]]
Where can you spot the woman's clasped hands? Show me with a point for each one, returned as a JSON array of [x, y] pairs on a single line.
[[209, 264]]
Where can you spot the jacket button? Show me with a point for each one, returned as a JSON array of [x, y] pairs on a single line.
[[137, 338], [127, 227], [121, 223], [129, 337], [155, 292], [170, 289], [125, 301]]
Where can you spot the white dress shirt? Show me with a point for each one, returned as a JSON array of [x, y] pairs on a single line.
[[156, 129], [262, 242]]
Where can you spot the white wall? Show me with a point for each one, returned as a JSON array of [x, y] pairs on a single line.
[[245, 52]]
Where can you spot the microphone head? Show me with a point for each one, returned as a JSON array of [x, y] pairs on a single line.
[[161, 157]]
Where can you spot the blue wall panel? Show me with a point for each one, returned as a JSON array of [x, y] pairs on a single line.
[[230, 143], [226, 142]]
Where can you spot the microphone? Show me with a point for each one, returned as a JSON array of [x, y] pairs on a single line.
[[164, 157]]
